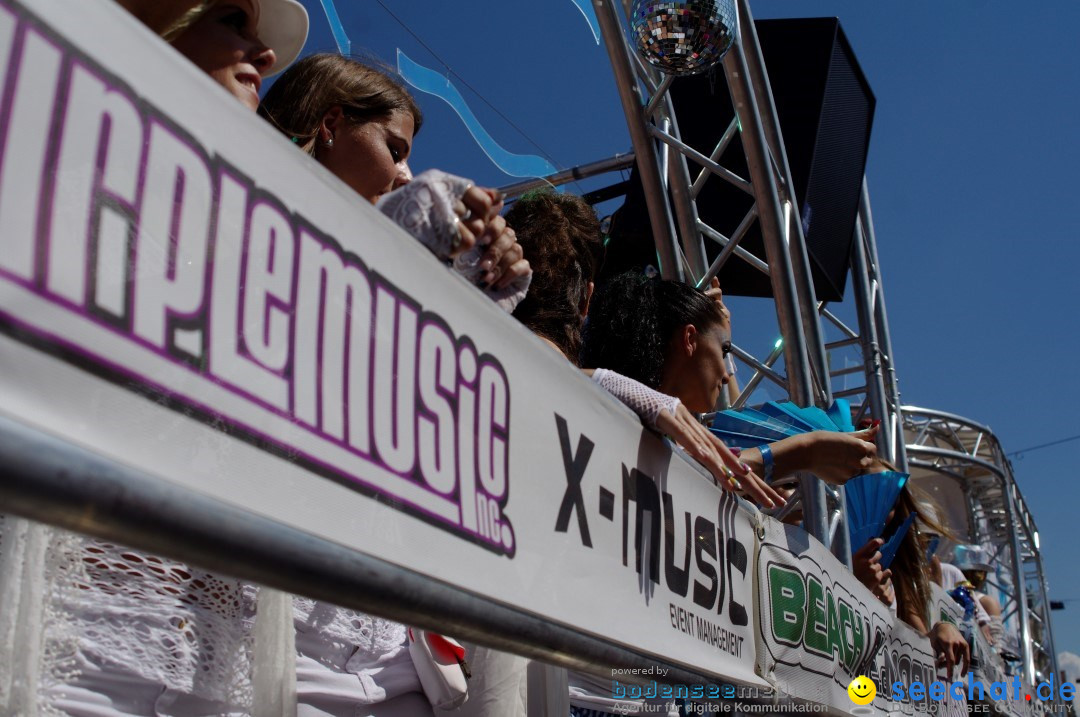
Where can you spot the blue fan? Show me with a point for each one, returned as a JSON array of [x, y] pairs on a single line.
[[888, 550], [750, 428], [870, 497]]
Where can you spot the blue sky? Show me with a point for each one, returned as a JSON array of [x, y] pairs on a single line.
[[972, 173]]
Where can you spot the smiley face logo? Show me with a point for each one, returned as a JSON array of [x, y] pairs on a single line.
[[862, 690]]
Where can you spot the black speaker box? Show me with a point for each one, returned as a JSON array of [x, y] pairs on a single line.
[[826, 109]]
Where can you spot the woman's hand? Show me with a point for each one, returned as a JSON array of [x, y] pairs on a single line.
[[832, 456], [838, 457], [476, 209], [714, 293], [866, 565], [667, 415], [950, 647], [504, 260], [730, 473]]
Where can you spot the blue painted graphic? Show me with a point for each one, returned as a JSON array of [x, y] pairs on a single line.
[[434, 83], [344, 46]]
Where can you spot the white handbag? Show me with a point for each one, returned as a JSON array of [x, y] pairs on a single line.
[[440, 663]]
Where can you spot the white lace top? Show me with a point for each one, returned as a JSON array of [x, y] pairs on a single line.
[[125, 633], [77, 608], [180, 627]]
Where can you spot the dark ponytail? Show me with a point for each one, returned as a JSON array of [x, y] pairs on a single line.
[[633, 320]]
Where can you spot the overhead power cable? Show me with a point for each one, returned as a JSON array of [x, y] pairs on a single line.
[[1044, 445]]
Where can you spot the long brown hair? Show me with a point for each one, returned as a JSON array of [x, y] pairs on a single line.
[[910, 567], [560, 235], [301, 97]]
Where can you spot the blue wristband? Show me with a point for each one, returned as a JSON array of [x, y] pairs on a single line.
[[766, 463]]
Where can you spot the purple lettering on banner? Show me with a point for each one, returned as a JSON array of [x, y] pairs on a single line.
[[226, 360], [492, 423], [437, 376], [268, 286], [173, 240], [394, 386], [467, 371], [97, 175], [332, 337], [23, 173], [163, 257]]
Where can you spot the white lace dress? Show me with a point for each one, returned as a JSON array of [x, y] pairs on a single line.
[[117, 632], [91, 628], [153, 636]]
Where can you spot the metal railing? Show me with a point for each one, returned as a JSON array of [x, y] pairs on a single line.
[[968, 455]]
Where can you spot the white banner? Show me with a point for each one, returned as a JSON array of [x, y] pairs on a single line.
[[819, 629], [184, 291]]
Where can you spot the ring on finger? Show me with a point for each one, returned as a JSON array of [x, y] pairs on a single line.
[[455, 236], [729, 476]]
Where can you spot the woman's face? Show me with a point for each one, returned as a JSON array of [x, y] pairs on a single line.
[[976, 578], [224, 45], [370, 156], [694, 368], [708, 369]]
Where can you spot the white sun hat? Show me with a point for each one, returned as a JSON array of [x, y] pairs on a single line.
[[283, 27], [971, 557]]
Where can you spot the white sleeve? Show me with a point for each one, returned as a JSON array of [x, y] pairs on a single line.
[[425, 208], [641, 399], [981, 616]]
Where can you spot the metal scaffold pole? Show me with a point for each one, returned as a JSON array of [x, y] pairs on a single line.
[[644, 149], [951, 453], [773, 230], [1021, 598], [753, 64], [868, 337], [891, 439]]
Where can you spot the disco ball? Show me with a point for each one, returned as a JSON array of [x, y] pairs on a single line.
[[684, 38]]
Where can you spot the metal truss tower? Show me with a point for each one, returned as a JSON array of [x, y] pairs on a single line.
[[671, 188], [962, 465]]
